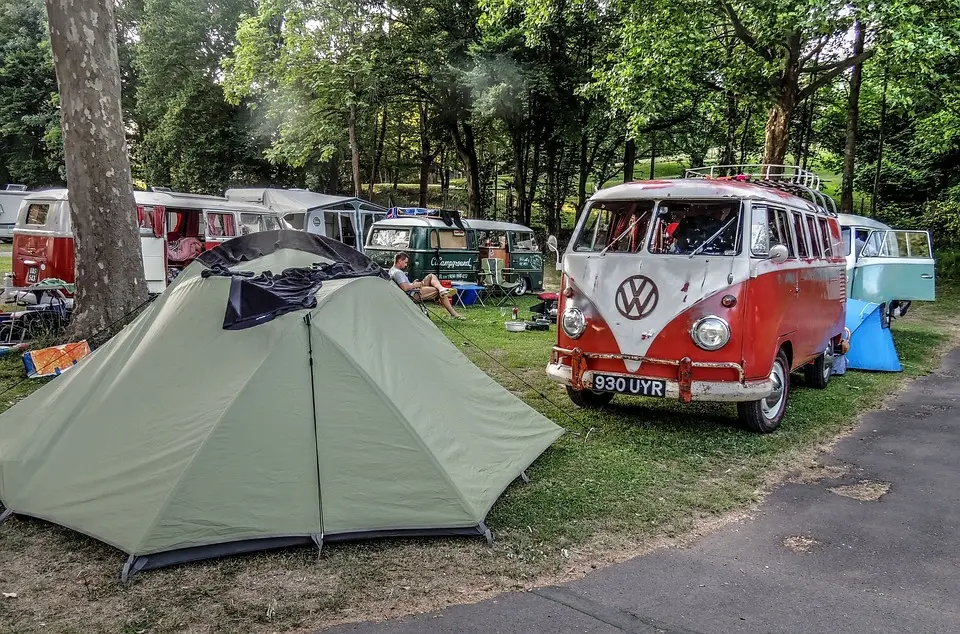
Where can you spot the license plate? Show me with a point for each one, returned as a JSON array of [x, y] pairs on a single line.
[[32, 275], [635, 386]]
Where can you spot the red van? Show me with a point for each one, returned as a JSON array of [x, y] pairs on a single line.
[[708, 288]]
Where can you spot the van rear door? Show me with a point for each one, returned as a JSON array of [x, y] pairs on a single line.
[[894, 265]]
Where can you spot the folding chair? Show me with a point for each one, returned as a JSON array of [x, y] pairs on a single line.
[[494, 279]]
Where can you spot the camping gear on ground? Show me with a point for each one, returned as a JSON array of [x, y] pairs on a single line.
[[839, 367], [538, 325], [492, 277], [547, 306], [871, 342], [54, 360], [179, 440], [515, 326]]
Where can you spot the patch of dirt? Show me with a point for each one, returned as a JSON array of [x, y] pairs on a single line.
[[865, 490], [800, 543]]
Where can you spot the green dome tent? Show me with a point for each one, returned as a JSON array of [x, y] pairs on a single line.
[[225, 419]]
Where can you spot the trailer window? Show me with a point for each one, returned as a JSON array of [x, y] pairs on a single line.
[[816, 250], [618, 227], [249, 223], [799, 232], [687, 227], [390, 238], [37, 214]]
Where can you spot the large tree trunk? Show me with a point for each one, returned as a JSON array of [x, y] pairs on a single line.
[[729, 156], [378, 154], [463, 141], [629, 160], [399, 155], [354, 149], [746, 136], [853, 116], [109, 264], [426, 156], [777, 134]]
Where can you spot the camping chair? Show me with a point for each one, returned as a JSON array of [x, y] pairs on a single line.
[[493, 278]]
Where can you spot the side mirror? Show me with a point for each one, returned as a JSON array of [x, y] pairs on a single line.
[[779, 253], [552, 245]]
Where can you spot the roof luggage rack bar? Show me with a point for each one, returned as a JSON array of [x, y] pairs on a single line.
[[788, 178]]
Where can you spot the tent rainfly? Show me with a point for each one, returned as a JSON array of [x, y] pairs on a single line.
[[240, 413]]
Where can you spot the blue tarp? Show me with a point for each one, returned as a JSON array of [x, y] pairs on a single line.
[[871, 342]]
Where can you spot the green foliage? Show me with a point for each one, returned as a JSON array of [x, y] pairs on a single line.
[[192, 139], [30, 149]]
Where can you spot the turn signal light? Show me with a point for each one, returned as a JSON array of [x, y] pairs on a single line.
[[729, 301]]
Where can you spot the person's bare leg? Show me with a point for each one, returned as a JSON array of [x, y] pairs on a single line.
[[445, 302], [434, 281]]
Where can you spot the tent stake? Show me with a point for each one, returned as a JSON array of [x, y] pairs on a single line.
[[5, 515], [486, 533]]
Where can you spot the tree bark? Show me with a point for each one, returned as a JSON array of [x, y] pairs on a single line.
[[746, 136], [730, 147], [109, 264], [629, 160], [399, 155], [463, 141], [777, 132], [354, 149], [378, 154], [853, 116], [880, 140], [426, 156]]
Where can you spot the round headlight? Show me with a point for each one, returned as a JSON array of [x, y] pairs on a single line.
[[710, 333], [573, 322]]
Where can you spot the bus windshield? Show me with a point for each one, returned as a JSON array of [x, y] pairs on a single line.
[[615, 227], [697, 227]]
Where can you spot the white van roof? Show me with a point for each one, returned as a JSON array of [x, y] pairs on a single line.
[[166, 199], [700, 188], [287, 201], [852, 220], [496, 225]]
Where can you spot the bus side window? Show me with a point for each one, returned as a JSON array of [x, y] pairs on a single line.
[[825, 238], [816, 250], [434, 239], [762, 227], [800, 234], [780, 231]]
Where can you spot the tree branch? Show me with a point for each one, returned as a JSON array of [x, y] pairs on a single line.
[[815, 52], [825, 79], [743, 33]]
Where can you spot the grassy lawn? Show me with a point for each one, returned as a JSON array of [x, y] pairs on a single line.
[[622, 480]]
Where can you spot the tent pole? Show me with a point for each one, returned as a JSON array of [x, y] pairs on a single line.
[[316, 440]]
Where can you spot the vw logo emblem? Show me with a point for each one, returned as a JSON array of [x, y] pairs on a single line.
[[637, 297]]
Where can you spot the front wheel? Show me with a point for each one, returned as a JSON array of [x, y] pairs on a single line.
[[764, 416], [522, 286], [589, 398]]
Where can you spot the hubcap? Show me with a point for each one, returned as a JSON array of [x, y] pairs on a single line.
[[772, 404], [827, 362]]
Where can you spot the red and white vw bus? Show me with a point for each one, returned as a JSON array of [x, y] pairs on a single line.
[[703, 288], [174, 229]]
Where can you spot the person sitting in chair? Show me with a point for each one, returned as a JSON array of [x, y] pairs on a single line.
[[427, 290]]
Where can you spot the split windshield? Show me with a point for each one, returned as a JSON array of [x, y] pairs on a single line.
[[679, 227]]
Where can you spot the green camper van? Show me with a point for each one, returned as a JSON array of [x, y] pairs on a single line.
[[434, 247], [455, 254]]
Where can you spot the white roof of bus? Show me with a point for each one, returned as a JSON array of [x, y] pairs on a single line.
[[698, 188], [851, 220], [495, 225], [166, 199], [297, 200]]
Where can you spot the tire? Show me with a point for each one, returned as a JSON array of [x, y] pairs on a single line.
[[817, 373], [764, 416], [523, 285], [589, 398]]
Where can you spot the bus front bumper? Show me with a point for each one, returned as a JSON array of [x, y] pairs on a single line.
[[683, 388]]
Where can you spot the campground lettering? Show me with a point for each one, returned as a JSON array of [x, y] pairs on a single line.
[[451, 264]]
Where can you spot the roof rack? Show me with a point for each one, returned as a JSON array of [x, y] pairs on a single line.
[[789, 178], [16, 188]]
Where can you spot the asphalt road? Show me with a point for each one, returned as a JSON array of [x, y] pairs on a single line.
[[811, 560]]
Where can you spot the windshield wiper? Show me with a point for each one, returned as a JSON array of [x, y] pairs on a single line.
[[633, 223], [710, 240]]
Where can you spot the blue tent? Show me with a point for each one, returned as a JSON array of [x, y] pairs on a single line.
[[871, 342]]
